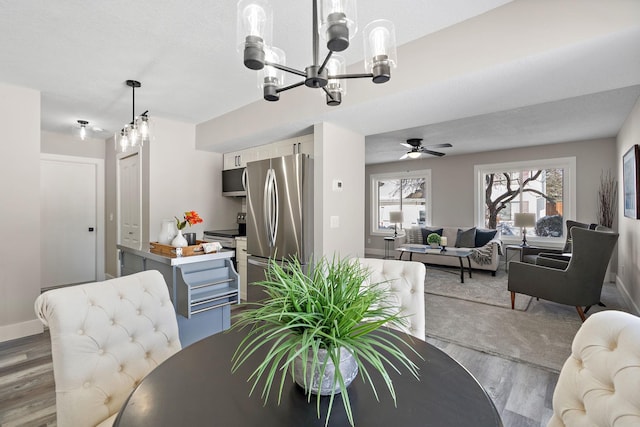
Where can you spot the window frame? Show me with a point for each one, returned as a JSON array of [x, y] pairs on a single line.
[[568, 164], [373, 185]]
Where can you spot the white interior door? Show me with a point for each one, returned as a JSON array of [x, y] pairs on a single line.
[[69, 221], [130, 202]]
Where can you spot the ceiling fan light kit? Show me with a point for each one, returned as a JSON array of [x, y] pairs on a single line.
[[417, 149], [138, 131], [336, 23]]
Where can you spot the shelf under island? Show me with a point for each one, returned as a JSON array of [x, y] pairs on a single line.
[[202, 287]]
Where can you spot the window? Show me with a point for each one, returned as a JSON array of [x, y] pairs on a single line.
[[407, 192], [542, 187]]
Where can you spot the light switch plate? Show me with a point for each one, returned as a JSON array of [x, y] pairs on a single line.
[[334, 221]]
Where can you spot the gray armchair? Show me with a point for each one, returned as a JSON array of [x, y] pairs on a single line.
[[579, 284], [531, 254]]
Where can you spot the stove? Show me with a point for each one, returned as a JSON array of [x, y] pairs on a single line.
[[227, 238]]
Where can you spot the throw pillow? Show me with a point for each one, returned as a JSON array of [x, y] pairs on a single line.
[[466, 238], [484, 236], [426, 231], [414, 236]]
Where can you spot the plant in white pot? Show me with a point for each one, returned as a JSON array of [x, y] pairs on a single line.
[[433, 239], [312, 321]]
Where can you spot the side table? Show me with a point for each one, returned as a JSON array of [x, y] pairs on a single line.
[[507, 248], [389, 245]]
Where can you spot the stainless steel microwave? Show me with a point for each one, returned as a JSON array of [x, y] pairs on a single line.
[[233, 182]]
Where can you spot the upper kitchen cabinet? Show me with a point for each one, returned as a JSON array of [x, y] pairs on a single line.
[[239, 159], [298, 145]]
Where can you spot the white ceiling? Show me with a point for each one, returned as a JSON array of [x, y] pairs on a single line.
[[78, 54]]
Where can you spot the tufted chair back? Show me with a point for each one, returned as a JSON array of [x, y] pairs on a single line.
[[405, 280], [105, 337], [599, 383]]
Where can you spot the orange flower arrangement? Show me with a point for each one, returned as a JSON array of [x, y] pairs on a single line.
[[190, 217]]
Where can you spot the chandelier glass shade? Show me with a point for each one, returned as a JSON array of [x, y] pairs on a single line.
[[137, 132], [335, 22]]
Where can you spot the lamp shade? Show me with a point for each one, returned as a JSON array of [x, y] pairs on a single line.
[[396, 217], [524, 220]]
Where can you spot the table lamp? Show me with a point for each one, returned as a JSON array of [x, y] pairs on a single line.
[[396, 217], [524, 220]]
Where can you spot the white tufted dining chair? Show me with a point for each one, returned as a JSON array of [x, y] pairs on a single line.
[[599, 384], [105, 337], [405, 280]]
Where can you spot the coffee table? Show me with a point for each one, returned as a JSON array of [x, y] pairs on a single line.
[[460, 253]]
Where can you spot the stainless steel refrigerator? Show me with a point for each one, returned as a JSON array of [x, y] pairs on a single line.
[[279, 215]]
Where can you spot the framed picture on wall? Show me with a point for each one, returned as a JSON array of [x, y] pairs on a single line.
[[631, 182]]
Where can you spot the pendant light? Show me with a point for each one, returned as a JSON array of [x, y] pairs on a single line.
[[137, 132]]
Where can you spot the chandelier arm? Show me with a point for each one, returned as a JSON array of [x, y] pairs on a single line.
[[324, 63], [292, 86], [314, 35], [133, 104], [351, 76], [285, 68], [328, 93]]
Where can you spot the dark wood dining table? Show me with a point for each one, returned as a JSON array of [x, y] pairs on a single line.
[[195, 387]]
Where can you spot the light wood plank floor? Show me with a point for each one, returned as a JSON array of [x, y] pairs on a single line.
[[521, 393]]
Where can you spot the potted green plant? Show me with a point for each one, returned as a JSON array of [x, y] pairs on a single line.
[[433, 239], [315, 320]]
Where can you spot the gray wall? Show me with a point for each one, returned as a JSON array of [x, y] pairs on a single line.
[[628, 279], [338, 155], [55, 143], [452, 180], [19, 211]]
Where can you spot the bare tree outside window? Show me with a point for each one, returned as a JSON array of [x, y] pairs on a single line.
[[506, 189]]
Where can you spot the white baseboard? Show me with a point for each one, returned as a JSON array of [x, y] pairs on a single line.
[[107, 276], [633, 307], [20, 330]]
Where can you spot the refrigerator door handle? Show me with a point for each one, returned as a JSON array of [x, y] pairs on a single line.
[[276, 207], [254, 261], [265, 205]]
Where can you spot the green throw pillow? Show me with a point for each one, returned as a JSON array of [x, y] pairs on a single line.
[[466, 238]]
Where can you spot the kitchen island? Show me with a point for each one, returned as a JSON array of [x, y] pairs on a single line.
[[202, 287]]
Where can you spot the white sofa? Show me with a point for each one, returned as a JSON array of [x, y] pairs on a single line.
[[486, 257]]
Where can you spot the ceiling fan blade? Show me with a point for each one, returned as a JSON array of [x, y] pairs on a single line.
[[404, 144], [444, 145], [404, 156], [433, 153]]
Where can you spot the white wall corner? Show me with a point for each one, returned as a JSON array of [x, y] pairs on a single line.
[[633, 307]]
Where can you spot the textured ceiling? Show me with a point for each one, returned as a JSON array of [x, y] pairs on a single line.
[[79, 53]]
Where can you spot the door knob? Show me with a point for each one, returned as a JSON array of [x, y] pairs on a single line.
[[90, 229]]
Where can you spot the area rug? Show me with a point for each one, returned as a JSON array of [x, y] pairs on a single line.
[[541, 335], [482, 287]]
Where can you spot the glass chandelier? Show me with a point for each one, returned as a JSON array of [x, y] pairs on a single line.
[[137, 132], [335, 22]]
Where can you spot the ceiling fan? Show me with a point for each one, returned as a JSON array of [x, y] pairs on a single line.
[[417, 149]]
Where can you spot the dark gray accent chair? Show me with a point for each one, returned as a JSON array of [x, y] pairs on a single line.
[[579, 283], [530, 254]]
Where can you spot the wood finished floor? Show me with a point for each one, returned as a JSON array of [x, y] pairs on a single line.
[[522, 393]]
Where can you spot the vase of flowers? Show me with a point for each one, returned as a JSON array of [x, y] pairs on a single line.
[[191, 218], [316, 323]]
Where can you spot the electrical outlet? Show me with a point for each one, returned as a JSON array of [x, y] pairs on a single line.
[[368, 241]]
